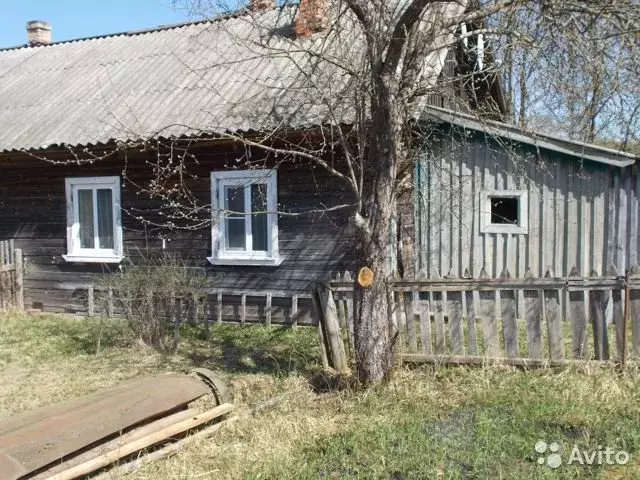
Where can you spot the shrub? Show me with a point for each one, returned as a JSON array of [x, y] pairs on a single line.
[[156, 297]]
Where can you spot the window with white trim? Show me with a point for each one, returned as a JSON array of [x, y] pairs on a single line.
[[245, 219], [504, 211], [94, 224]]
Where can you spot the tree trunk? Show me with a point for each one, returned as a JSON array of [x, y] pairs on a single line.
[[373, 342]]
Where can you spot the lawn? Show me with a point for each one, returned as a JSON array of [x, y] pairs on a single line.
[[473, 423]]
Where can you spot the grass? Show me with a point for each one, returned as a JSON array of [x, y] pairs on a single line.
[[453, 423]]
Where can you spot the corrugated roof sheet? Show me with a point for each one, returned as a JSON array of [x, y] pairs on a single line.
[[210, 76]]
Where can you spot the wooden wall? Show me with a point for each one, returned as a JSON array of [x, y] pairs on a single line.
[[32, 210], [581, 213]]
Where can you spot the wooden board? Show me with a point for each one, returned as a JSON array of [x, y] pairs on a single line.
[[37, 438]]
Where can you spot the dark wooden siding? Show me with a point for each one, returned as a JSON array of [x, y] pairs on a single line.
[[33, 211]]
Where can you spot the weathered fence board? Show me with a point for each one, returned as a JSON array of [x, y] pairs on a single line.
[[11, 276], [441, 317]]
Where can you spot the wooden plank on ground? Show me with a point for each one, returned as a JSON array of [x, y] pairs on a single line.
[[553, 314], [577, 311], [510, 326]]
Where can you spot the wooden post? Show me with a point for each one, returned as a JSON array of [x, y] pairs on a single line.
[[625, 322], [579, 346], [554, 321], [509, 323], [533, 318], [294, 311], [317, 308], [348, 304], [219, 307], [409, 306], [438, 312], [19, 266], [269, 301], [90, 301], [402, 322], [243, 309], [425, 326], [328, 317], [110, 303]]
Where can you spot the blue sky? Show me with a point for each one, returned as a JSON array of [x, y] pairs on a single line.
[[83, 18]]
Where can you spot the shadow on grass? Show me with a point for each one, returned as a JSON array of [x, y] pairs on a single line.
[[252, 349]]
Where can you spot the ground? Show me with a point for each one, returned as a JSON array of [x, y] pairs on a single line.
[[473, 423]]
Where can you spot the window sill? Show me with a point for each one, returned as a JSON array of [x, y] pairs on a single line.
[[513, 230], [89, 259], [249, 262]]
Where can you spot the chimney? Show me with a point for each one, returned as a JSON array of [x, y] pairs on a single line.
[[313, 17], [38, 33], [260, 6]]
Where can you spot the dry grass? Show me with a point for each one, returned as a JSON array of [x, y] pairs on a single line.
[[427, 423]]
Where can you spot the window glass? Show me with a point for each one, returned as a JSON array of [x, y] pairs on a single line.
[[235, 220], [259, 217], [105, 218], [85, 218], [504, 210]]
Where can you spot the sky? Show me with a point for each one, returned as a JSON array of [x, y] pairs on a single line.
[[83, 18]]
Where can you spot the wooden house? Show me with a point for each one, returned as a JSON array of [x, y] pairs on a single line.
[[85, 123]]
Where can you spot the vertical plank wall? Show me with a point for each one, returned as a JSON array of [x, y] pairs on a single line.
[[580, 212]]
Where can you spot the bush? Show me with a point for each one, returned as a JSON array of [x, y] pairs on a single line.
[[156, 297]]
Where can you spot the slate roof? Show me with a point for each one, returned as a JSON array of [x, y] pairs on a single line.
[[181, 80]]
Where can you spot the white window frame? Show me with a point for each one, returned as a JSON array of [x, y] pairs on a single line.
[[220, 254], [522, 228], [92, 255]]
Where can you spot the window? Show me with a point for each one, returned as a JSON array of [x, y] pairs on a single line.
[[94, 228], [245, 222], [504, 211]]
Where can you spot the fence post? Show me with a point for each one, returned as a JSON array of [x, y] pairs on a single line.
[[19, 265], [330, 327]]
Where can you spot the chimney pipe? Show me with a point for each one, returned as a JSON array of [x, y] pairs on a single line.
[[38, 33], [261, 6], [313, 17]]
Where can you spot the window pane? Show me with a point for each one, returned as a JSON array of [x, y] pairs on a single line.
[[85, 218], [234, 200], [105, 218], [259, 220], [504, 210], [236, 236]]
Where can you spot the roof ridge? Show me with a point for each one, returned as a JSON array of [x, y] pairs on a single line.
[[143, 31]]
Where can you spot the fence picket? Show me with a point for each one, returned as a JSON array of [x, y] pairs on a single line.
[[411, 322], [554, 321], [634, 307], [596, 312], [510, 326], [618, 314], [579, 346], [438, 311], [533, 319], [454, 308], [471, 318], [425, 327], [489, 321]]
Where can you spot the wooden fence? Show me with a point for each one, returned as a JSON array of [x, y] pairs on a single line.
[[467, 320], [11, 277], [224, 306]]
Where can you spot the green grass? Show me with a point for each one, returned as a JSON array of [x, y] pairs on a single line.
[[454, 423]]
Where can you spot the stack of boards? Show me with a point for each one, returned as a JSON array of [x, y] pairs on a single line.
[[139, 420]]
